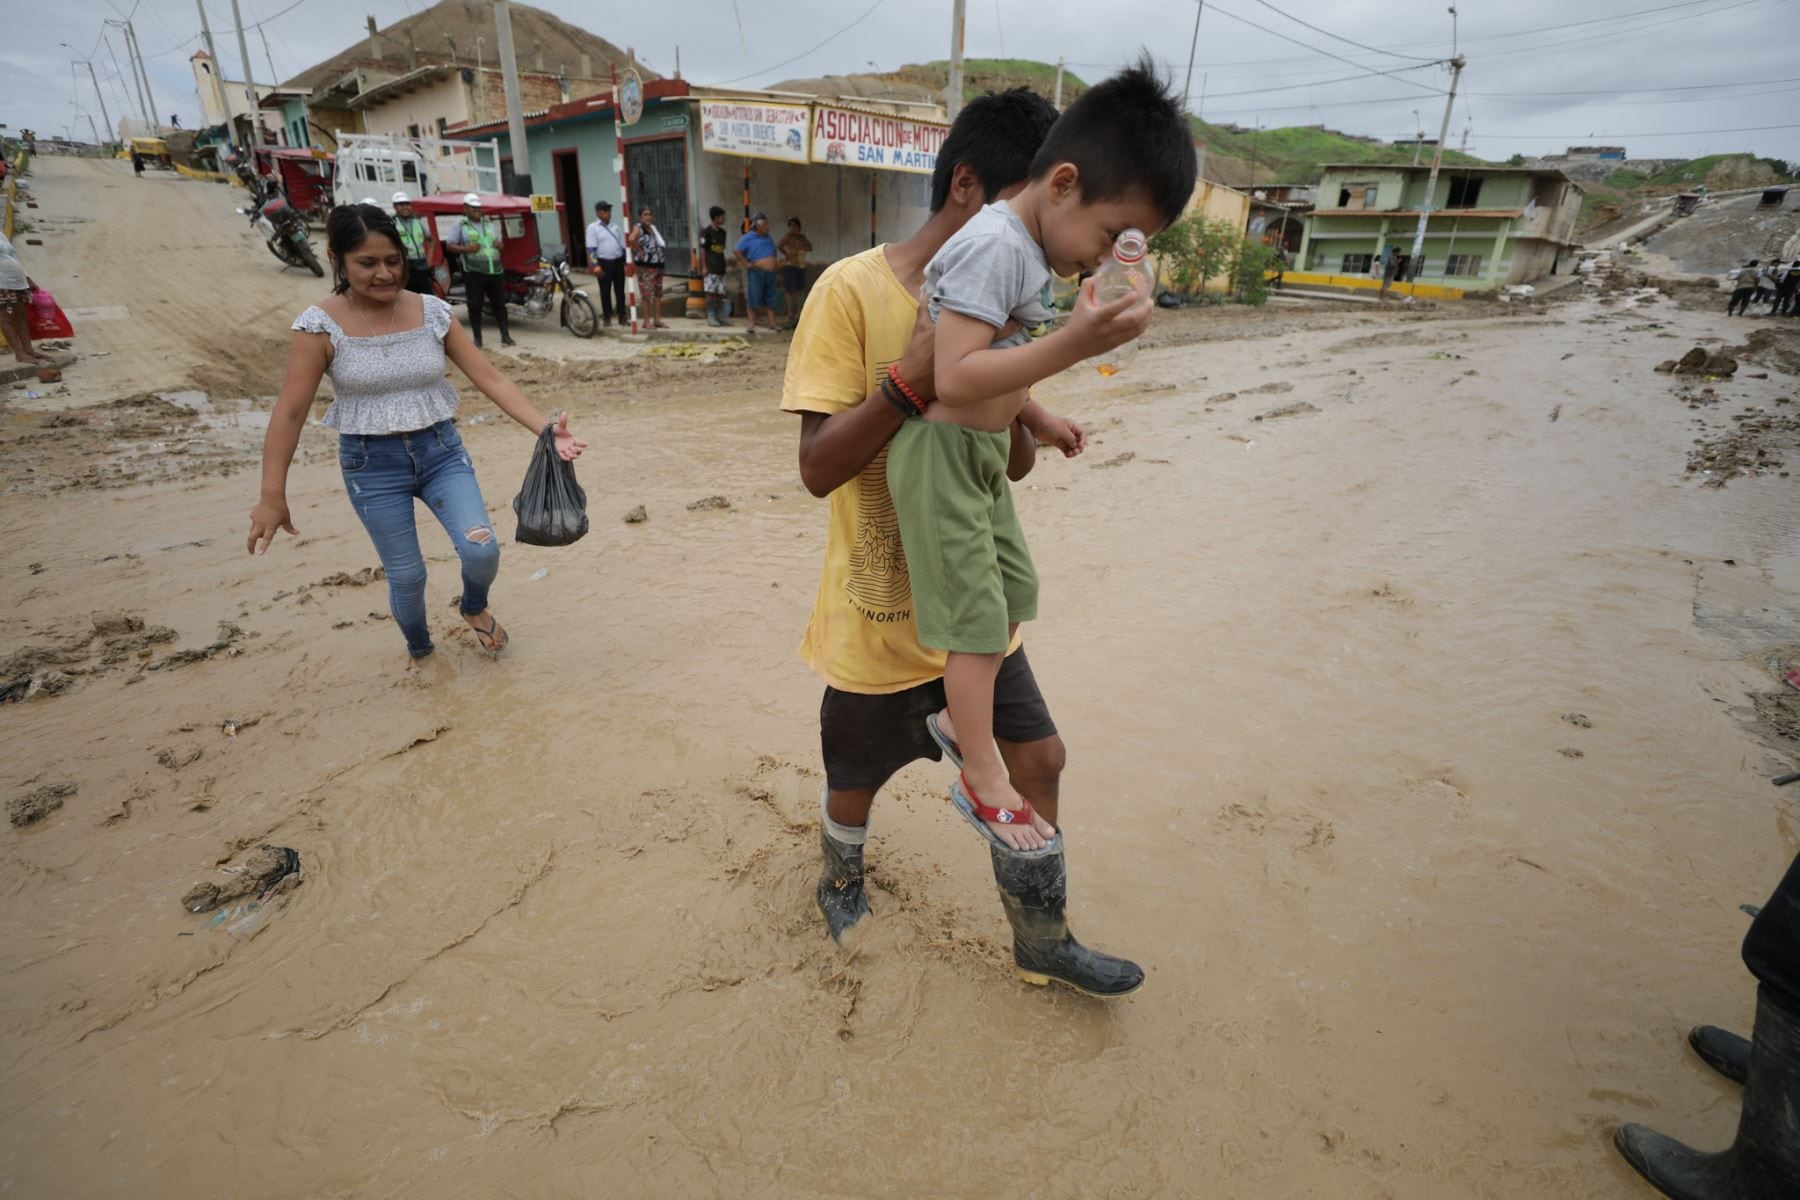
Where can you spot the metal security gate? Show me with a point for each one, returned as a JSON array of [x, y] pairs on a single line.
[[657, 172]]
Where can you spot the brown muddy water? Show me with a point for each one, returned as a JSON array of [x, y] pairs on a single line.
[[1412, 930]]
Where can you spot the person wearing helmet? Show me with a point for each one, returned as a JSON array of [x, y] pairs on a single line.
[[478, 241], [415, 237]]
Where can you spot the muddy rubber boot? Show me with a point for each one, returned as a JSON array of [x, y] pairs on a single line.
[[1722, 1050], [1034, 890], [1763, 1161], [840, 895]]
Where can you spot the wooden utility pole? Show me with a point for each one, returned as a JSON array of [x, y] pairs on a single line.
[[515, 108], [953, 94], [1437, 160], [1192, 46], [255, 134]]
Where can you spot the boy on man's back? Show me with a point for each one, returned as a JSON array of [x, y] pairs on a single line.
[[1122, 157]]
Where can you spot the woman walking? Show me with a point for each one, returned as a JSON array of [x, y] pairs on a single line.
[[15, 305], [384, 348]]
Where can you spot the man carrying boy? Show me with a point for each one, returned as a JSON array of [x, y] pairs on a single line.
[[1122, 158], [862, 641]]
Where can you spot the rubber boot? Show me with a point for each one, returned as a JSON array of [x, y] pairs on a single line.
[[1722, 1050], [1034, 890], [1763, 1161], [715, 313], [840, 895]]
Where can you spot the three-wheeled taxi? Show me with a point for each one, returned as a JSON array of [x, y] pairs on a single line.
[[303, 176], [533, 285]]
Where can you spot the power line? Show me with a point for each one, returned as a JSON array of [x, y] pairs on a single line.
[[1338, 36], [834, 37], [1688, 87], [1551, 137], [1317, 50]]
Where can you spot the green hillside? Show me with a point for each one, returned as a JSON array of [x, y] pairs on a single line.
[[994, 75], [1287, 155], [1296, 154]]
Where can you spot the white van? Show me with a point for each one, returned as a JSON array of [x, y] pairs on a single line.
[[373, 166]]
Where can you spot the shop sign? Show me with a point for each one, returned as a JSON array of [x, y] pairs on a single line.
[[752, 129], [847, 138]]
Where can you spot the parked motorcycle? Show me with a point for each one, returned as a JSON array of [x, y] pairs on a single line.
[[550, 285], [284, 231]]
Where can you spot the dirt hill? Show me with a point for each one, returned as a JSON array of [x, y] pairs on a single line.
[[446, 33]]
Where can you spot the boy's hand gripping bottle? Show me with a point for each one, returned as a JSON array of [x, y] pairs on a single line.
[[1121, 275]]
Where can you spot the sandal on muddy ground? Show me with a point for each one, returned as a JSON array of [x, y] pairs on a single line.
[[492, 636], [948, 745], [966, 802]]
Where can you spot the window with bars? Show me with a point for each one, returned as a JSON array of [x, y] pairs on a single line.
[[1463, 264], [1357, 264]]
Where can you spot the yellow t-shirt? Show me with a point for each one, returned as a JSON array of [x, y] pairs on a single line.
[[861, 637]]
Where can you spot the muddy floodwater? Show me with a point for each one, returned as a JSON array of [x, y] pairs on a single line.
[[1421, 708]]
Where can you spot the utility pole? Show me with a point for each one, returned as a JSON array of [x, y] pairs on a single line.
[[1418, 136], [1057, 101], [255, 132], [1437, 160], [1192, 46], [137, 56], [953, 94], [104, 115], [515, 108], [137, 83]]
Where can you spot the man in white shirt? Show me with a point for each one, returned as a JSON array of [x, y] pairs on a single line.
[[606, 259]]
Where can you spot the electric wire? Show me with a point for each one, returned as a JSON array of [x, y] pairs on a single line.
[[786, 62]]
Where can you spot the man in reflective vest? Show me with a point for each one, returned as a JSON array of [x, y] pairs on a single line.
[[478, 241], [415, 237]]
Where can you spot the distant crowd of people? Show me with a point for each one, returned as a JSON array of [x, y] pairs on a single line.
[[756, 251], [1769, 283]]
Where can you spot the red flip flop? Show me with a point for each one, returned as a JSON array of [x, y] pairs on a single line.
[[996, 816]]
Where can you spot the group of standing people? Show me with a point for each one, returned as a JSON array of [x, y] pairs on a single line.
[[756, 251], [606, 248], [1771, 283]]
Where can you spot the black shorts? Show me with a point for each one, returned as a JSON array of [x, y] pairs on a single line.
[[866, 738], [793, 279]]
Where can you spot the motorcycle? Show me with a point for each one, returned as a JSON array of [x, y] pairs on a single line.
[[537, 291], [283, 230]]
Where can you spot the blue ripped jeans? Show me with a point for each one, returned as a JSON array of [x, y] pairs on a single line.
[[383, 474]]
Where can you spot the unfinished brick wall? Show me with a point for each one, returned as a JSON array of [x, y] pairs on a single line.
[[536, 92]]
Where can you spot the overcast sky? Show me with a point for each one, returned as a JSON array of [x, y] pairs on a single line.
[[1536, 80]]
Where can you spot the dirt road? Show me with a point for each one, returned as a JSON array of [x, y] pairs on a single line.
[[1412, 691]]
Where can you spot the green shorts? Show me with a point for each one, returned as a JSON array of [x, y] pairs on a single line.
[[965, 553]]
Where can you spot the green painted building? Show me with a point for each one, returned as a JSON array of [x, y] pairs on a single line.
[[1488, 226]]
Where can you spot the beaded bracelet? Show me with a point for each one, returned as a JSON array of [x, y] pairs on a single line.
[[892, 395], [893, 373]]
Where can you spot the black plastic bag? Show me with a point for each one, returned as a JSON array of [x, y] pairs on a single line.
[[552, 507]]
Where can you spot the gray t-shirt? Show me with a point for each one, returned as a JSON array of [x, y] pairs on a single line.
[[992, 271]]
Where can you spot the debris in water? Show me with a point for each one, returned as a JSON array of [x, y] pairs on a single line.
[[637, 516], [259, 876], [34, 806], [709, 504]]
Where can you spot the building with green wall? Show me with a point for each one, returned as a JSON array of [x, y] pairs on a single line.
[[1487, 226]]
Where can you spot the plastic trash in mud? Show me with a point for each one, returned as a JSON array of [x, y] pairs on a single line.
[[540, 573], [258, 877], [230, 729]]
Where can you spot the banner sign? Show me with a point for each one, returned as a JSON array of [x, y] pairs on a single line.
[[845, 137], [753, 129]]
